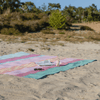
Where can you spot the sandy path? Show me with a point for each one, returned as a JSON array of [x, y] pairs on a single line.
[[93, 25], [81, 83]]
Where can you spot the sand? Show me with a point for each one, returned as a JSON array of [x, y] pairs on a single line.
[[81, 83], [94, 25]]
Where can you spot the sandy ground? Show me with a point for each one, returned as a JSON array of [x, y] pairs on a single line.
[[81, 83], [93, 25]]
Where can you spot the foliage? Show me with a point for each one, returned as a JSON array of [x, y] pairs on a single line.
[[21, 27], [43, 7], [40, 15], [10, 4], [57, 20], [69, 12], [35, 19], [43, 23], [29, 16], [86, 28], [75, 14], [90, 18], [28, 5], [82, 14], [34, 27], [53, 5], [61, 33], [10, 31]]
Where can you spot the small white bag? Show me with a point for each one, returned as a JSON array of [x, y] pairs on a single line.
[[45, 63]]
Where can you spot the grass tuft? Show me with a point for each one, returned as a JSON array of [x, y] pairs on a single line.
[[61, 33]]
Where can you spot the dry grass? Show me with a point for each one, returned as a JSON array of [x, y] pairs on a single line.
[[70, 36]]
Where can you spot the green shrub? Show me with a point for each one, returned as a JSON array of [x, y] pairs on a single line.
[[57, 20]]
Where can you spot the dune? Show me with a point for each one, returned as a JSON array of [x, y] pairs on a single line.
[[80, 83]]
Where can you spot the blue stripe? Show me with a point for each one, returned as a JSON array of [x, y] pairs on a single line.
[[18, 54], [21, 59]]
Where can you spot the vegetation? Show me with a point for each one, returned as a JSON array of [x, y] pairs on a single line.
[[17, 19], [61, 33], [57, 20], [86, 28]]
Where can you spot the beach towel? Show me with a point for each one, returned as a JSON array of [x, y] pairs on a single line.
[[36, 66]]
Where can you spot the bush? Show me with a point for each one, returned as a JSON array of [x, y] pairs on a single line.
[[29, 26], [14, 16], [1, 25], [34, 27], [90, 18], [10, 31], [43, 23], [29, 16], [6, 24], [86, 28], [34, 16], [69, 21], [57, 20], [40, 15], [20, 27]]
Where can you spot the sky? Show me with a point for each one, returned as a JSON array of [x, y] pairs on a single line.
[[63, 3]]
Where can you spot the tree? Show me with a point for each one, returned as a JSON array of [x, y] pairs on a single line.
[[57, 20], [80, 13], [94, 7], [53, 6], [43, 8], [13, 5], [92, 13], [69, 12], [28, 7]]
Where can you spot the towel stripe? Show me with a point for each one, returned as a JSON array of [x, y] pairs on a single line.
[[26, 61], [18, 54], [16, 58]]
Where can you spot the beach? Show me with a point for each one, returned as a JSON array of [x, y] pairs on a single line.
[[80, 83]]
